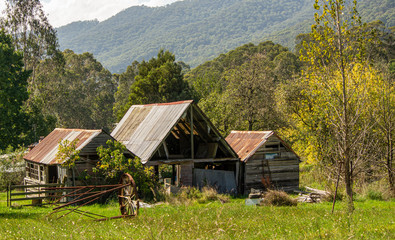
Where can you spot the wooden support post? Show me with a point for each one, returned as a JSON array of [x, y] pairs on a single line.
[[8, 190], [173, 174], [237, 177], [192, 143], [73, 176], [166, 150], [156, 168], [39, 173]]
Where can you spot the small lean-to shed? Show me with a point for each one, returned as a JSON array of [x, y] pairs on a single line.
[[267, 161], [42, 166], [179, 135]]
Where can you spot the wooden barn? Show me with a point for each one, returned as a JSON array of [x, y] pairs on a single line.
[[181, 137], [267, 161], [42, 166]]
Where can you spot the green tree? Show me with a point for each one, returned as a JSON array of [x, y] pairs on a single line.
[[80, 94], [26, 21], [383, 105], [124, 82], [32, 34], [113, 162], [222, 114], [251, 88], [159, 80], [209, 77], [12, 159], [286, 66], [13, 92], [67, 154], [237, 89]]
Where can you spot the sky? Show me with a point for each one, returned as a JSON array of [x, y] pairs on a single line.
[[62, 12]]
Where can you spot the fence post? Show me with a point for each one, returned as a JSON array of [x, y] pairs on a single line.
[[9, 195]]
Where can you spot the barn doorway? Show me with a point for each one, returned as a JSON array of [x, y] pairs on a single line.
[[53, 174]]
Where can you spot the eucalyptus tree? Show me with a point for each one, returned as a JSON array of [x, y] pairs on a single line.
[[124, 82], [13, 92], [78, 95], [26, 21], [251, 92]]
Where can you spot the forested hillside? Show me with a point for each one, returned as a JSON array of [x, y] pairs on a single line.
[[198, 30]]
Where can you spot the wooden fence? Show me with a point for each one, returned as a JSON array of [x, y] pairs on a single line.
[[35, 193]]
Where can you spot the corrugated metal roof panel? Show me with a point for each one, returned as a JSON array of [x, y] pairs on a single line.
[[245, 143], [144, 127], [46, 150]]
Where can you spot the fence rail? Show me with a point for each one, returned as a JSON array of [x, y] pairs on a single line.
[[37, 193]]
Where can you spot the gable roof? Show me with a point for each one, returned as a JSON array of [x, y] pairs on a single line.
[[46, 150], [145, 127], [246, 143]]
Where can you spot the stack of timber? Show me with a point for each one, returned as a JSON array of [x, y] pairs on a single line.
[[314, 196]]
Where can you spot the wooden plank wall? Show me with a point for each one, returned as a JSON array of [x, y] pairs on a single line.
[[186, 178], [83, 167], [283, 170], [99, 140]]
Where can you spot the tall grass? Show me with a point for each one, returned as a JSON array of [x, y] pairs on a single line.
[[191, 195], [213, 220]]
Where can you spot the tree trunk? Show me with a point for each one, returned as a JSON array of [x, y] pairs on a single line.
[[346, 123], [250, 124], [390, 156]]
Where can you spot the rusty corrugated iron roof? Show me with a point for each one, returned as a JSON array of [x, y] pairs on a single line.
[[245, 143], [144, 127], [46, 150]]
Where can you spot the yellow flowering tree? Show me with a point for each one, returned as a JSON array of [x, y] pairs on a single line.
[[336, 88]]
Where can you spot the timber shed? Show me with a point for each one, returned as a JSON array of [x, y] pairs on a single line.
[[179, 136], [42, 166], [267, 161]]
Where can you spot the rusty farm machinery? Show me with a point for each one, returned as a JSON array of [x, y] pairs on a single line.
[[84, 195]]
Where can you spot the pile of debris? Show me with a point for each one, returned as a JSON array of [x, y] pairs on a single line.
[[313, 196], [255, 197]]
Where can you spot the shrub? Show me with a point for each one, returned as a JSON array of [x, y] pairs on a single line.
[[112, 163], [190, 193], [211, 194], [374, 195], [278, 198], [377, 190], [185, 196]]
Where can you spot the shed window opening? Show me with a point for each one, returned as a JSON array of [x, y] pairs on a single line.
[[32, 171], [270, 156]]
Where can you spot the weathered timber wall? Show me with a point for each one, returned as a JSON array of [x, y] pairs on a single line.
[[282, 170], [99, 140], [186, 178]]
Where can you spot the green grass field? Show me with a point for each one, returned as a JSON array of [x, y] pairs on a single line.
[[234, 220]]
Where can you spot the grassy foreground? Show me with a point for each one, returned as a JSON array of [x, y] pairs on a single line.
[[234, 220]]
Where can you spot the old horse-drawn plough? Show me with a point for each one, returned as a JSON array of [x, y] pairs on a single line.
[[83, 195]]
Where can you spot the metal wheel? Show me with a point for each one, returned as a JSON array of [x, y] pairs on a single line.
[[127, 196]]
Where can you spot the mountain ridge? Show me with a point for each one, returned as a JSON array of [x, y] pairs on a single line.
[[194, 30]]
